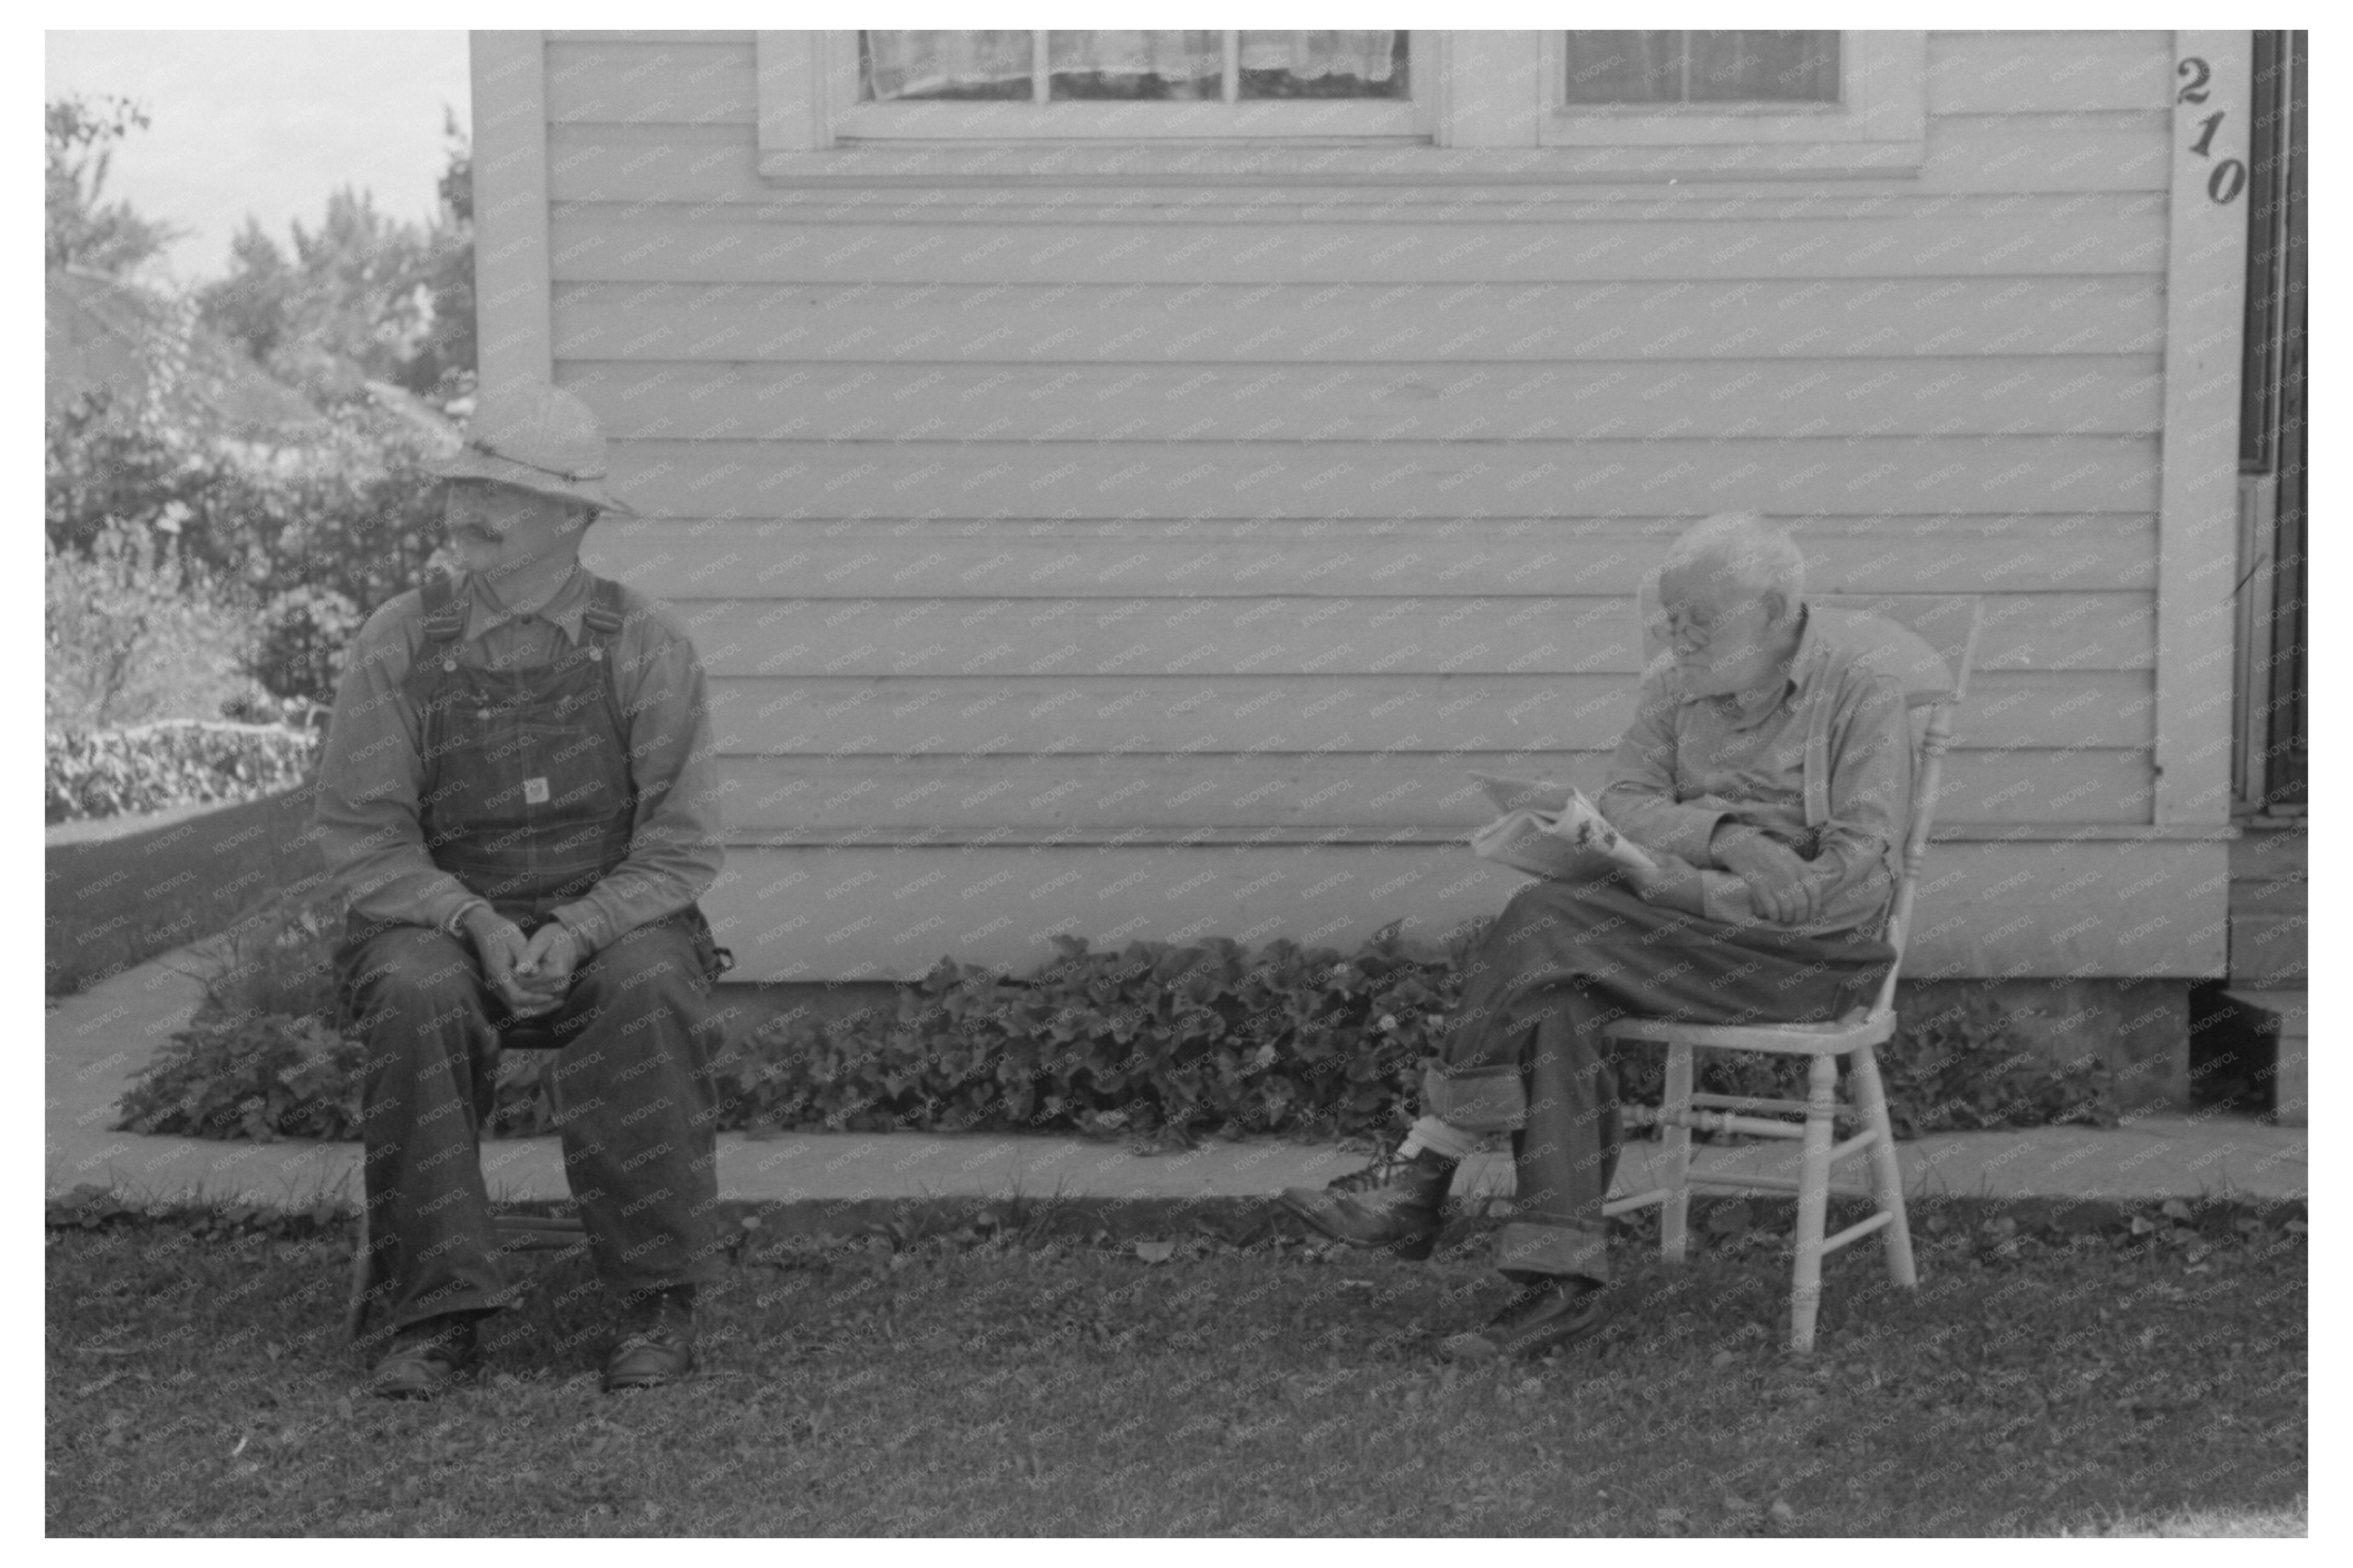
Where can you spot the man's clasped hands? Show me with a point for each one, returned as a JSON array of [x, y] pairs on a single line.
[[530, 974]]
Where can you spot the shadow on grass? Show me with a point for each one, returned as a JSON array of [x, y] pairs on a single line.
[[1019, 1368]]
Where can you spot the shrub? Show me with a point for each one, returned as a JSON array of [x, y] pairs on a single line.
[[127, 638], [1160, 1040], [148, 767]]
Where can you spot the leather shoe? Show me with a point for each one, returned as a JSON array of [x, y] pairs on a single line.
[[426, 1358], [656, 1343], [1544, 1313], [1395, 1203]]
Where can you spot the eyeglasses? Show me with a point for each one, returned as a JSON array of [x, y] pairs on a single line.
[[1689, 631]]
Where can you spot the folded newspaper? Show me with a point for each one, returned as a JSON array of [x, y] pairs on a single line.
[[1552, 830]]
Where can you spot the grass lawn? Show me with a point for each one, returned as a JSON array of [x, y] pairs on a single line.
[[2083, 1370]]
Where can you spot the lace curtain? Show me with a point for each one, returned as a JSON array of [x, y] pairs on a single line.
[[909, 64], [1722, 66]]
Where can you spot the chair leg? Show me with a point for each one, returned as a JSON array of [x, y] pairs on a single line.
[[1813, 1203], [1674, 1214], [1887, 1172]]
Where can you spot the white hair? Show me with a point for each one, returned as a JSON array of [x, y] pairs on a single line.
[[1741, 550]]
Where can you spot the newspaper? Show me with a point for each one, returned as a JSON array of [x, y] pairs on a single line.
[[1552, 830]]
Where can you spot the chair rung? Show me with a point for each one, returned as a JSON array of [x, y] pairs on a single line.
[[1858, 1230], [1759, 1103], [1770, 1184], [1725, 1121], [1854, 1145], [1632, 1201]]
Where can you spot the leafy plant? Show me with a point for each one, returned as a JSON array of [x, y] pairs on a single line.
[[265, 1076], [1156, 1041]]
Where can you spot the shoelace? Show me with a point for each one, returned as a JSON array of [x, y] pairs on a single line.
[[1373, 1176]]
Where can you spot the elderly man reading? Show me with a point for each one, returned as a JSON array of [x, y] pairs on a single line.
[[1768, 772]]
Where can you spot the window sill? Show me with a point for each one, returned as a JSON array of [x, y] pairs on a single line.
[[1390, 160]]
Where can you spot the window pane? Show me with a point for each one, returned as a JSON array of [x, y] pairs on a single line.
[[1137, 65], [926, 64], [1625, 67], [1799, 68], [1324, 65]]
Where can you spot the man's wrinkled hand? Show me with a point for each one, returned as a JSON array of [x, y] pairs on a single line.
[[1659, 882], [502, 948], [1778, 887], [550, 959]]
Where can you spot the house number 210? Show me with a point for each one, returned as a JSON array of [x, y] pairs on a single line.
[[2230, 175]]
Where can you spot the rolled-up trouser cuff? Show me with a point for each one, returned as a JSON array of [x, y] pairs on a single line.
[[1476, 1099], [1544, 1249]]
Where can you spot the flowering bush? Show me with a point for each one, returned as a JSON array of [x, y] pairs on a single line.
[[102, 773]]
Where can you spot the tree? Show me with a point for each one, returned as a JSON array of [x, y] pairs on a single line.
[[443, 365], [362, 297], [113, 238]]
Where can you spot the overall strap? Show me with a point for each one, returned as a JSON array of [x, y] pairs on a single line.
[[602, 614], [1821, 699], [445, 609], [600, 626]]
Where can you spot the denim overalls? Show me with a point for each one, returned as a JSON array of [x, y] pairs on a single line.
[[527, 799]]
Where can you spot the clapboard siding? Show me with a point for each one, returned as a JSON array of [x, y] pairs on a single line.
[[2118, 394], [1099, 533], [1798, 324], [824, 797], [1270, 635], [1997, 155], [2086, 234], [893, 716], [678, 558], [1409, 467]]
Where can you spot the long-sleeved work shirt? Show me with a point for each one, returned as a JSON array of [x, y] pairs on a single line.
[[372, 768], [1689, 762]]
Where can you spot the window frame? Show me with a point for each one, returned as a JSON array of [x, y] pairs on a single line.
[[1882, 100], [851, 119]]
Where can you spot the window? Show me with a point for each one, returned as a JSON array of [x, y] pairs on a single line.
[[1047, 67], [1784, 102], [1714, 67], [972, 108], [938, 85]]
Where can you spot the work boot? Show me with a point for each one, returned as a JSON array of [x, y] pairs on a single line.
[[426, 1357], [1394, 1203], [1545, 1312], [657, 1345]]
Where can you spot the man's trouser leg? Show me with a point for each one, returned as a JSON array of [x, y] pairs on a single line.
[[416, 1000], [1525, 1051], [635, 1105]]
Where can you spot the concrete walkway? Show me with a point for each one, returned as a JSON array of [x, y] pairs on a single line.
[[99, 1040]]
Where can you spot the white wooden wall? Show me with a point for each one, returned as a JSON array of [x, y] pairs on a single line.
[[1140, 561]]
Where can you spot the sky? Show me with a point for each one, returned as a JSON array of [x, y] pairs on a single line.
[[267, 123]]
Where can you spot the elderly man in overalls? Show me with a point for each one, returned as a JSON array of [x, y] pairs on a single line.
[[1768, 773], [517, 794]]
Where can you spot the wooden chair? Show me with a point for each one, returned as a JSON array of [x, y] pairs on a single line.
[[1928, 641], [517, 1232]]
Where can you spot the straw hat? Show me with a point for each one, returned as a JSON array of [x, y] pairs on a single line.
[[537, 438]]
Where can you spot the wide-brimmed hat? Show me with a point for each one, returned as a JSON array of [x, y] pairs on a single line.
[[536, 437]]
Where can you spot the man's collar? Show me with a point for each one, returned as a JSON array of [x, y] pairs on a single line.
[[564, 610]]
